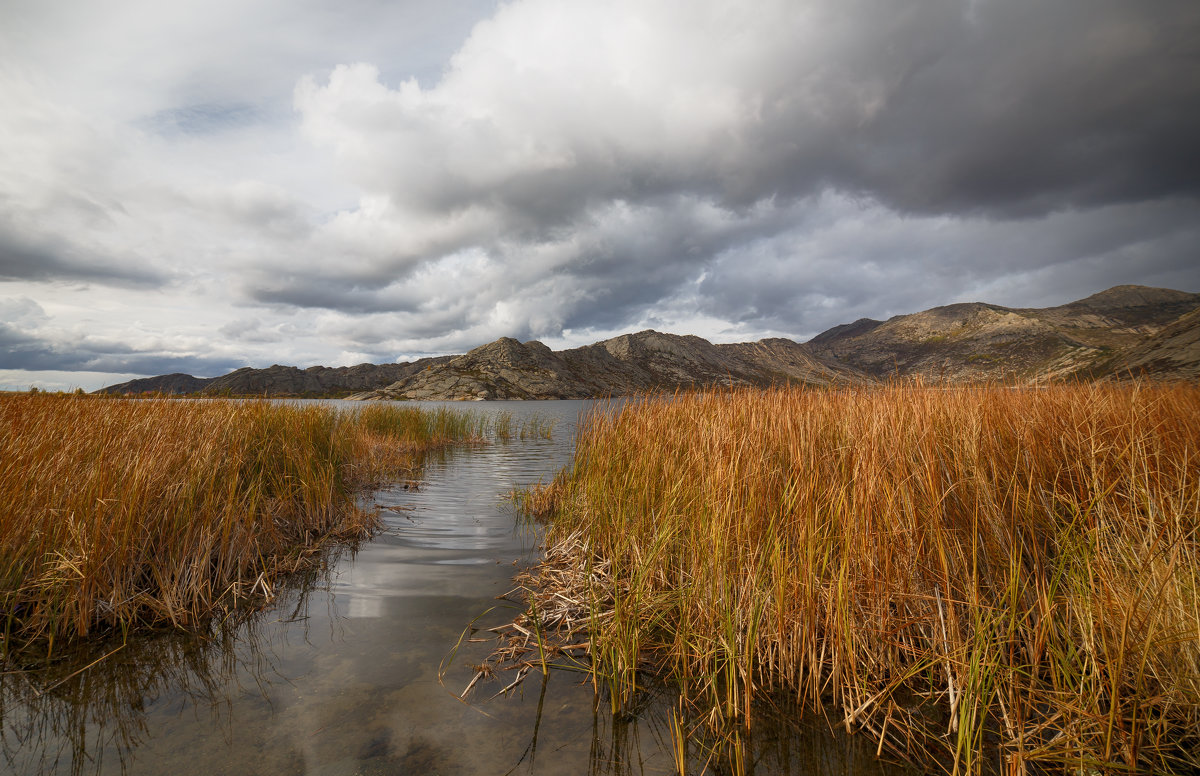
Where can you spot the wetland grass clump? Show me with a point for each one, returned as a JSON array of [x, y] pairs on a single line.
[[972, 575], [504, 428], [117, 513]]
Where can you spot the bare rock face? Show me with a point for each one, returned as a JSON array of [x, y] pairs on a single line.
[[983, 342], [315, 381], [784, 361], [1173, 352], [630, 363], [176, 383], [504, 369], [277, 381]]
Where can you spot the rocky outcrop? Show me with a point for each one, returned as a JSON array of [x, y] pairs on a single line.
[[176, 383], [279, 380], [630, 363], [784, 361], [1172, 352], [316, 380], [984, 342]]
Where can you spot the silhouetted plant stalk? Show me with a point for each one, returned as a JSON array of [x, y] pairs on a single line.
[[121, 513], [963, 572]]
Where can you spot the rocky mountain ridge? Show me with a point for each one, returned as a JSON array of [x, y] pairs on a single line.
[[1126, 330], [978, 341], [630, 363], [1173, 352], [277, 380]]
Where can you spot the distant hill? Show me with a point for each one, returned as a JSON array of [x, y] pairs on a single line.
[[172, 383], [977, 341], [279, 380], [630, 363], [1173, 352], [1124, 331]]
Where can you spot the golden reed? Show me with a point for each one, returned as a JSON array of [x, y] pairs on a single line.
[[116, 513], [966, 573]]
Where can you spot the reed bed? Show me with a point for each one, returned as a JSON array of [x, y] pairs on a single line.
[[502, 427], [120, 513], [979, 577]]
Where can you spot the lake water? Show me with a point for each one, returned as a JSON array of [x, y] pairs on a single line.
[[341, 674]]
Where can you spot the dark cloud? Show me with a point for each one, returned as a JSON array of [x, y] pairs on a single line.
[[26, 343], [57, 259], [321, 290], [1017, 109], [876, 263], [20, 350], [1030, 107], [13, 340], [1013, 108]]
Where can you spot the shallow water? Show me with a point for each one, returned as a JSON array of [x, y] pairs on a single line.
[[340, 674]]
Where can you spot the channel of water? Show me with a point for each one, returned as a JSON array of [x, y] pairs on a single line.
[[340, 675]]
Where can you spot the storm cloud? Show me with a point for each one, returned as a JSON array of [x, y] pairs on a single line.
[[379, 183], [561, 135], [1004, 108], [56, 259]]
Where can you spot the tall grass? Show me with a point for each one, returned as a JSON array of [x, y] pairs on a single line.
[[118, 513], [502, 426], [966, 573]]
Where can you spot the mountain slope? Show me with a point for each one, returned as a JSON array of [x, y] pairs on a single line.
[[1172, 352], [279, 380], [977, 341], [172, 383], [630, 363]]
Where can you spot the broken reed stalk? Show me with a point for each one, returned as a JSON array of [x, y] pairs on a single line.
[[964, 572], [117, 513]]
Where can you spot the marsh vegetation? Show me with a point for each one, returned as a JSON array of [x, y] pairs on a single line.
[[976, 577], [125, 513]]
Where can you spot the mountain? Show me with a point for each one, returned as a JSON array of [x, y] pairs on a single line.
[[279, 380], [976, 341], [1174, 352], [172, 383], [630, 363], [1124, 331]]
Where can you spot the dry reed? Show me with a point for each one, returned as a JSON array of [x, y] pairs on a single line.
[[967, 573], [118, 513]]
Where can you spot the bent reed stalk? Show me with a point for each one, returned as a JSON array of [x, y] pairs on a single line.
[[117, 513], [968, 573]]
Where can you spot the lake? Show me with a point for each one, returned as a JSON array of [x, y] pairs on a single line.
[[340, 675]]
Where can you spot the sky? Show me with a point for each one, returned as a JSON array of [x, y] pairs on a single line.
[[201, 186]]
